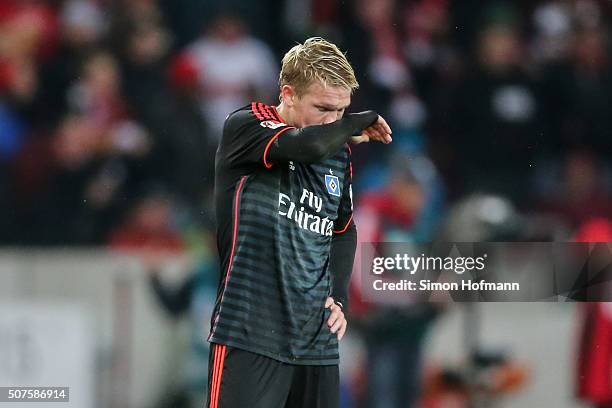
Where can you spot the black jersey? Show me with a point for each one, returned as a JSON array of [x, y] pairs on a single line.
[[275, 223]]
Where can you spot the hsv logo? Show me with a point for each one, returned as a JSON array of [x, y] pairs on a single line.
[[272, 124], [332, 184]]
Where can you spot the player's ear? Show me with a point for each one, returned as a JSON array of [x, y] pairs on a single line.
[[288, 95]]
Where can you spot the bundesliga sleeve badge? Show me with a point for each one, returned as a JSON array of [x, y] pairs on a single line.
[[332, 184], [272, 124]]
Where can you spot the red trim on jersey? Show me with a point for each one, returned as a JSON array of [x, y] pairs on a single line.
[[255, 111], [280, 119], [269, 165], [350, 161], [229, 266], [264, 111], [346, 226], [271, 113], [351, 174], [236, 202]]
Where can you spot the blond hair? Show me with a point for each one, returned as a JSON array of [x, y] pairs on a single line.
[[316, 60]]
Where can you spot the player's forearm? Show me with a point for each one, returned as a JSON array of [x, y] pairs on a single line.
[[314, 143], [342, 256]]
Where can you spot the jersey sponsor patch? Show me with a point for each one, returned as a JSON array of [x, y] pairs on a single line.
[[332, 184], [272, 124]]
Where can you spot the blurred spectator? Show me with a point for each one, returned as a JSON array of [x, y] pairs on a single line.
[[28, 33], [194, 298], [96, 159], [553, 25], [97, 92], [464, 83], [50, 173], [83, 26], [393, 333], [497, 123], [83, 23], [149, 226], [151, 231], [74, 181], [188, 145], [144, 51], [427, 47], [165, 100], [426, 24], [372, 39], [577, 96], [577, 191], [99, 100], [187, 17], [233, 69]]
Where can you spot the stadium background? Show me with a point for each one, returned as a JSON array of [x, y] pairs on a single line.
[[110, 112]]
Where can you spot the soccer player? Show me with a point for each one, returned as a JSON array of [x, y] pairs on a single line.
[[286, 237]]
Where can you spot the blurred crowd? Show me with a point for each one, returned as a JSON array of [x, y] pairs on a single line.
[[111, 110], [109, 106]]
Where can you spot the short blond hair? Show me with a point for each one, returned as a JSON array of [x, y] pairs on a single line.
[[316, 60]]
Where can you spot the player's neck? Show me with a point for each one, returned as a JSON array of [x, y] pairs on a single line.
[[284, 113]]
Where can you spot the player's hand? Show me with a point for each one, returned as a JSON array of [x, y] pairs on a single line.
[[380, 131], [336, 322]]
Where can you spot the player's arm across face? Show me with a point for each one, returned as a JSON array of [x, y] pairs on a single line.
[[379, 131], [312, 144]]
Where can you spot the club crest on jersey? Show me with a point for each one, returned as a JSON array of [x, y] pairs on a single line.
[[332, 184], [272, 124]]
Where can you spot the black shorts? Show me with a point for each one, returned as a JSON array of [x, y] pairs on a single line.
[[241, 379]]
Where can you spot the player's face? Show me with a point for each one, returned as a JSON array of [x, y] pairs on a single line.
[[320, 105]]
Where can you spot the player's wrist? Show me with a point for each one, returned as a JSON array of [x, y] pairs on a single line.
[[340, 302], [361, 121]]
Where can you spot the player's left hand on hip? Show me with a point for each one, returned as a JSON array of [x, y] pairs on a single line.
[[336, 322]]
